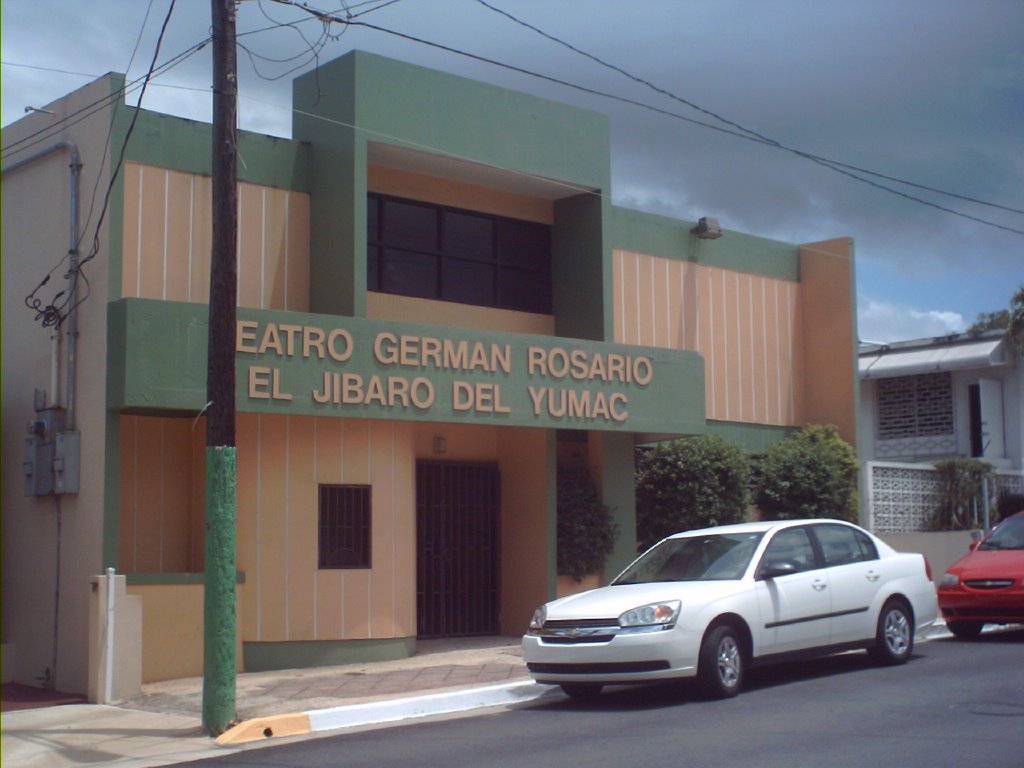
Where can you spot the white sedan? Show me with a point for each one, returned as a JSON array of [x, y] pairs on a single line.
[[711, 603]]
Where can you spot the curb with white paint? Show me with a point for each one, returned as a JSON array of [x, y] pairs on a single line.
[[394, 710]]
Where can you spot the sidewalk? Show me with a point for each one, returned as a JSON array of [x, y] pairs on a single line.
[[163, 725]]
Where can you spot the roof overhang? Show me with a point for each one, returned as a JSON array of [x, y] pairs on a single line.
[[886, 362]]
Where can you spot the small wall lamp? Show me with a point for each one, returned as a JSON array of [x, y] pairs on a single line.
[[707, 228]]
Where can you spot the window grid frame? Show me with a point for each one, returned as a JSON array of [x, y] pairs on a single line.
[[377, 247]]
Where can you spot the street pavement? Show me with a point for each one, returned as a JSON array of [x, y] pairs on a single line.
[[163, 725]]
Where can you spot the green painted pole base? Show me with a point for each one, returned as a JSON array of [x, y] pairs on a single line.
[[219, 631]]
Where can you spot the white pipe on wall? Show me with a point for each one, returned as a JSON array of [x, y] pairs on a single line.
[[108, 684]]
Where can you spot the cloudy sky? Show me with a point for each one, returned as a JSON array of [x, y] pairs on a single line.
[[923, 91]]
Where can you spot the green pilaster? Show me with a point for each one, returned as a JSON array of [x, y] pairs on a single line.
[[581, 269], [219, 594], [552, 516], [618, 490]]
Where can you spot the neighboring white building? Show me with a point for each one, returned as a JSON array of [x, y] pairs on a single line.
[[930, 399]]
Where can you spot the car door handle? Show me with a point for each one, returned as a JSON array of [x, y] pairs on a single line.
[[819, 585], [872, 576]]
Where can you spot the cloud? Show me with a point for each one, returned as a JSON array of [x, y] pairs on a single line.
[[885, 321], [936, 97]]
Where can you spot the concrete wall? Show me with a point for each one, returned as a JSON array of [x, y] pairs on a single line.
[[942, 548], [119, 624], [36, 226], [829, 332]]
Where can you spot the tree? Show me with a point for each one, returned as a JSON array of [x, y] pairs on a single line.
[[810, 473], [585, 529], [960, 484], [990, 321], [1011, 321], [691, 483], [1015, 328]]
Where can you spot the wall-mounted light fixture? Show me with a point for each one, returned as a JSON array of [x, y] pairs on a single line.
[[707, 228], [440, 445], [37, 109]]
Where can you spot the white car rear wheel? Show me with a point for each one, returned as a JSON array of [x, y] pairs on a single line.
[[894, 638]]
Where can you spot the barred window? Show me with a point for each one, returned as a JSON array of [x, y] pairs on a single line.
[[915, 406], [344, 526]]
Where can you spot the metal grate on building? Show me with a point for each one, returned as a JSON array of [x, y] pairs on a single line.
[[344, 530], [915, 406]]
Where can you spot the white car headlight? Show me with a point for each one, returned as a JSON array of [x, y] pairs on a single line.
[[539, 616], [651, 615], [949, 580]]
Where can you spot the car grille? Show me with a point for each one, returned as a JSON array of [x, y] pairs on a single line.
[[575, 631], [580, 623], [993, 613], [985, 584], [623, 667]]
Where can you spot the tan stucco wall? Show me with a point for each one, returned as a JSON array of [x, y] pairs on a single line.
[[527, 469], [746, 326], [458, 194], [281, 461], [828, 329], [403, 309], [168, 231], [172, 630], [37, 197]]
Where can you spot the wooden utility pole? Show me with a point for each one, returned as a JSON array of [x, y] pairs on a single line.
[[219, 629]]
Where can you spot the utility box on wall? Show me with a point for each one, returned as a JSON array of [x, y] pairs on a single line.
[[51, 455]]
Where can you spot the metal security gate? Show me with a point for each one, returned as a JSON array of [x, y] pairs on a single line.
[[457, 548]]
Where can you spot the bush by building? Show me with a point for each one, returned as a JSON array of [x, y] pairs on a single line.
[[811, 473], [691, 483], [585, 529]]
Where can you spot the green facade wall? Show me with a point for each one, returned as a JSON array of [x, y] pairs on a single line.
[[669, 238]]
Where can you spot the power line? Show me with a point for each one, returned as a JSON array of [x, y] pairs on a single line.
[[816, 158], [633, 102], [55, 127], [55, 313]]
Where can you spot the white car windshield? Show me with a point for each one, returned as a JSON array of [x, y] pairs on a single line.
[[694, 558]]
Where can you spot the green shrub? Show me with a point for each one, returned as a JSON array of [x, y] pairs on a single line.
[[692, 483], [960, 483], [585, 529], [810, 473]]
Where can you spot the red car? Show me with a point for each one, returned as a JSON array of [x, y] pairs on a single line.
[[986, 586]]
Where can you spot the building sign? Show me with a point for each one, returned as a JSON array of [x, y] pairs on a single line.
[[326, 365]]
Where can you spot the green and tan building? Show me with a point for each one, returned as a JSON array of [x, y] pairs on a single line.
[[438, 302]]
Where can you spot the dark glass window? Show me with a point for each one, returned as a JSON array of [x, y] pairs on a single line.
[[523, 289], [524, 244], [409, 273], [469, 236], [408, 225], [791, 545], [344, 540], [841, 545], [451, 254], [467, 282]]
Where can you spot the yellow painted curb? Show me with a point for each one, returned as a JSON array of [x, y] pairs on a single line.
[[266, 728]]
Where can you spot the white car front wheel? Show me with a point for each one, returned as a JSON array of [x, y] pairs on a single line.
[[722, 665]]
